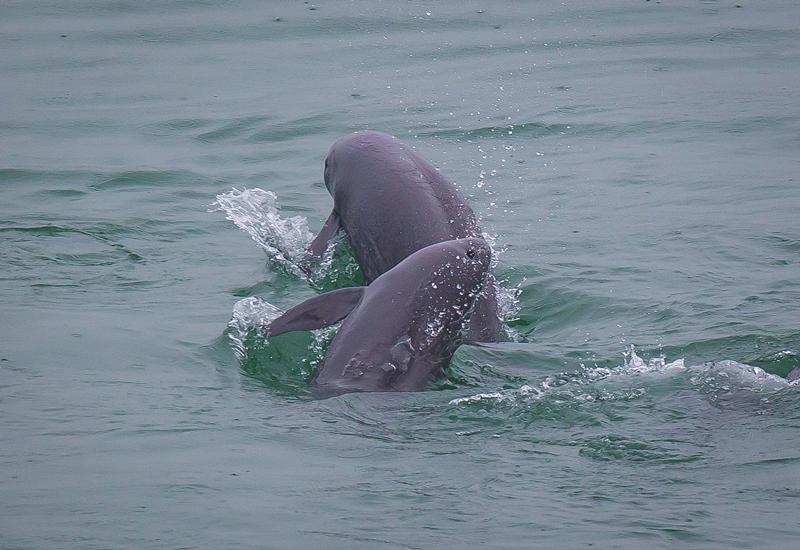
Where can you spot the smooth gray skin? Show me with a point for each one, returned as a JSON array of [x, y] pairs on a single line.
[[401, 331], [794, 375], [391, 202]]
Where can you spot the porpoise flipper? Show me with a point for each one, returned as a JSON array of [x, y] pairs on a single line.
[[317, 312], [329, 230]]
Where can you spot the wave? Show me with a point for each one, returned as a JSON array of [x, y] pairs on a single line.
[[633, 379]]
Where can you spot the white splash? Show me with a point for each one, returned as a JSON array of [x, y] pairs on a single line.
[[507, 302], [726, 376], [523, 391], [255, 211], [249, 314], [254, 313], [634, 365]]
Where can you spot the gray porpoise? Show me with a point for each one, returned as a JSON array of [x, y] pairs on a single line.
[[400, 332], [391, 202]]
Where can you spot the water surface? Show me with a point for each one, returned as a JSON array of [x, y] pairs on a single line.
[[636, 161]]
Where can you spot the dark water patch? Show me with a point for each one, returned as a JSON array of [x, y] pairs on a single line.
[[43, 231], [283, 364], [518, 131], [615, 447], [475, 367], [117, 7], [293, 129], [37, 177], [178, 126], [138, 179], [780, 363], [162, 230], [67, 63], [191, 488], [688, 130], [551, 307], [290, 23], [784, 242], [519, 417], [376, 24], [261, 287], [341, 270], [91, 258], [576, 110], [513, 46], [751, 36], [748, 37], [85, 260], [682, 65], [749, 125], [233, 129], [774, 461], [61, 194]]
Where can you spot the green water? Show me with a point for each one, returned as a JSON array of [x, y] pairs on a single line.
[[637, 162]]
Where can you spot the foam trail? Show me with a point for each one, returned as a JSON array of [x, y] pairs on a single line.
[[714, 379], [633, 365], [255, 211]]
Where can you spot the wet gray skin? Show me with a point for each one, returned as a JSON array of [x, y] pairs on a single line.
[[794, 375], [401, 331], [391, 202]]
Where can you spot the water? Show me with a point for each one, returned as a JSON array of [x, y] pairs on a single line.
[[636, 162]]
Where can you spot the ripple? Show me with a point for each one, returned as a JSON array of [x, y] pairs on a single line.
[[86, 258], [18, 175], [292, 129], [613, 447], [521, 130], [231, 129], [137, 179], [178, 126]]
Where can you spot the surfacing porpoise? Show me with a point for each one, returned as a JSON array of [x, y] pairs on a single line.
[[400, 332], [391, 202]]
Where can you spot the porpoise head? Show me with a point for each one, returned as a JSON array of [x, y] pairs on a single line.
[[350, 147]]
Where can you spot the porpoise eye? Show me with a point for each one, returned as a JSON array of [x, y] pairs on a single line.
[[471, 253]]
